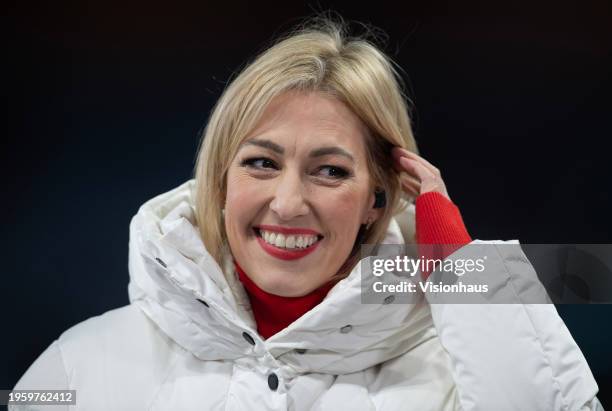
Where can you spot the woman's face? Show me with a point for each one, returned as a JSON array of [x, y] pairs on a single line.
[[297, 191]]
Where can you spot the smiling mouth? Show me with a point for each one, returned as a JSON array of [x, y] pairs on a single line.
[[288, 242]]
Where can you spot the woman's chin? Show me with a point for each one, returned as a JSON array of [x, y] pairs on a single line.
[[283, 288]]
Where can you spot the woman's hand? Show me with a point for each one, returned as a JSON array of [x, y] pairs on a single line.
[[437, 220], [421, 176]]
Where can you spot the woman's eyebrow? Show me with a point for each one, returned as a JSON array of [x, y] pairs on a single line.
[[265, 144], [323, 151], [318, 152]]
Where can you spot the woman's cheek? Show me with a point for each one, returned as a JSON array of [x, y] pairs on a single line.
[[342, 206], [242, 187]]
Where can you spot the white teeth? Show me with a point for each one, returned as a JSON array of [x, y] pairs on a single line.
[[288, 241], [280, 240]]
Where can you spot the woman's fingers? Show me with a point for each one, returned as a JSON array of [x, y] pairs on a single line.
[[420, 176], [410, 180], [396, 165], [411, 166], [411, 185], [399, 152], [417, 169]]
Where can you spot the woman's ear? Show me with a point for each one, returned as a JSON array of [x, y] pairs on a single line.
[[378, 201], [372, 215]]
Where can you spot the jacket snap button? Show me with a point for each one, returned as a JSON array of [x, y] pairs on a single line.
[[159, 260], [389, 299], [203, 302], [300, 350], [273, 381], [346, 329], [247, 337]]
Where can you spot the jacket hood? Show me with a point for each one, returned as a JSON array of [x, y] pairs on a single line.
[[203, 307]]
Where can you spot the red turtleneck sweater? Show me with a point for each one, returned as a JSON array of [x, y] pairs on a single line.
[[438, 221]]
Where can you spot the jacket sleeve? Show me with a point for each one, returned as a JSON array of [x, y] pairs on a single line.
[[513, 355], [46, 373]]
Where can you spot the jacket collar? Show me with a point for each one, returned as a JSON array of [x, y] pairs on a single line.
[[203, 307]]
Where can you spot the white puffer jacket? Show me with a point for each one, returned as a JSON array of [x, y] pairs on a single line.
[[188, 341]]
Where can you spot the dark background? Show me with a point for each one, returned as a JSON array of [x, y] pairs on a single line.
[[106, 100]]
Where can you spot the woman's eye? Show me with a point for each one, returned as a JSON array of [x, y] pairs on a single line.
[[333, 172], [259, 162]]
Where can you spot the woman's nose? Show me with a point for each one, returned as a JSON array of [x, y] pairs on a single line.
[[288, 202]]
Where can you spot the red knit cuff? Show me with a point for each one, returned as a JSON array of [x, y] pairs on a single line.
[[438, 221]]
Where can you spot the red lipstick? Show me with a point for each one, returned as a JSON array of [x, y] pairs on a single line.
[[284, 253]]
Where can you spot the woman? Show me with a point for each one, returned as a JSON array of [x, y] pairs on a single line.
[[244, 284]]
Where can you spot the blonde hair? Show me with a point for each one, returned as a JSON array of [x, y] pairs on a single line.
[[316, 56]]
